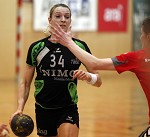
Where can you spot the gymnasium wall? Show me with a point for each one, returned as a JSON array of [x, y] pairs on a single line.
[[7, 38], [101, 44]]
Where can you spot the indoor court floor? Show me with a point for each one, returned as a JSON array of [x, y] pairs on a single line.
[[117, 109]]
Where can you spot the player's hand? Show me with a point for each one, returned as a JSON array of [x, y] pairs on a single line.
[[81, 75], [16, 113], [3, 127]]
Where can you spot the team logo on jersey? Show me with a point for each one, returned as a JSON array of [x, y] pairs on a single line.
[[75, 61], [69, 119], [58, 50]]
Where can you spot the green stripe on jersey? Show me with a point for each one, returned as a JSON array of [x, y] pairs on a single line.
[[80, 45], [36, 50]]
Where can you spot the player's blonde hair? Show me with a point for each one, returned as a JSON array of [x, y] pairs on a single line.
[[58, 5], [47, 30]]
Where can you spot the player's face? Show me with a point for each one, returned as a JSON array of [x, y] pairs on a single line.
[[62, 16], [144, 38]]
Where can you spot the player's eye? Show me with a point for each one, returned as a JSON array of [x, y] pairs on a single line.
[[67, 17], [57, 16]]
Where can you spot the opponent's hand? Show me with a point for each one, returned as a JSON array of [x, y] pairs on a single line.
[[59, 36]]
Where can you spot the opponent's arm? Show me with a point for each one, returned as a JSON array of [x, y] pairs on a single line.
[[90, 61]]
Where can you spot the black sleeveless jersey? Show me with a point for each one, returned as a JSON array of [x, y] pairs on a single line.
[[55, 65]]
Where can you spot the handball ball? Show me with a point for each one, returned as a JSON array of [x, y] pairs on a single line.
[[22, 125]]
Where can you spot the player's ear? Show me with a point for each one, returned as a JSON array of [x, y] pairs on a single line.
[[49, 19], [148, 36]]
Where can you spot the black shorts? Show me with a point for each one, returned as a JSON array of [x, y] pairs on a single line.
[[48, 120]]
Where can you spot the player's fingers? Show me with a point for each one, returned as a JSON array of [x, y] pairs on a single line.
[[16, 113], [6, 128], [57, 30], [81, 75], [75, 74], [69, 30]]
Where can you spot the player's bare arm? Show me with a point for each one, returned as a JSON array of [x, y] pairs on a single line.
[[24, 89]]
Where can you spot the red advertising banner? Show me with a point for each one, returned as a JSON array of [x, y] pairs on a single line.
[[112, 15]]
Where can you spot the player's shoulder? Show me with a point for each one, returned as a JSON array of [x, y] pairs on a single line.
[[81, 44], [39, 41], [138, 52], [134, 54], [78, 40]]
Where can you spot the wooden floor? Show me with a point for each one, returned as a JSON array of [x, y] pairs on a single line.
[[117, 109]]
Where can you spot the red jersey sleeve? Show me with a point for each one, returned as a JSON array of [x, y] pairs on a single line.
[[126, 62]]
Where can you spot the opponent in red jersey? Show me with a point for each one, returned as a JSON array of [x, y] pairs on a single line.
[[137, 62]]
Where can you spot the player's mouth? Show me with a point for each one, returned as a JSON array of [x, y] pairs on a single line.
[[63, 26]]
